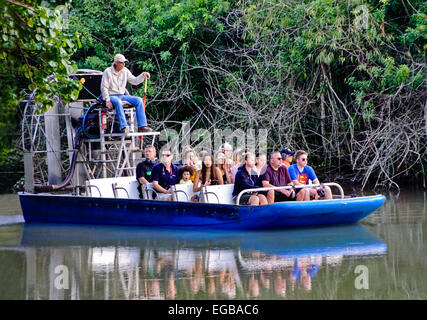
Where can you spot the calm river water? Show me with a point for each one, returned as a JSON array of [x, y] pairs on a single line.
[[385, 257]]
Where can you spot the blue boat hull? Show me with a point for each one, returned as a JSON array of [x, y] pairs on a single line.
[[110, 211]]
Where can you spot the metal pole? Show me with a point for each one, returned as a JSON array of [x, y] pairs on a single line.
[[53, 146], [29, 172]]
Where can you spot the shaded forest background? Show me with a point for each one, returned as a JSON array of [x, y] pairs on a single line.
[[344, 80]]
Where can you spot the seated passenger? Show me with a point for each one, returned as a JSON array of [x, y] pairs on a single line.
[[220, 164], [189, 159], [165, 174], [277, 175], [287, 156], [247, 178], [227, 150], [144, 168], [301, 173], [185, 174], [201, 155], [238, 161], [208, 175], [185, 149], [260, 163]]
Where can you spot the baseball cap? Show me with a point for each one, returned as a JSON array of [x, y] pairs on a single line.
[[120, 58], [286, 151]]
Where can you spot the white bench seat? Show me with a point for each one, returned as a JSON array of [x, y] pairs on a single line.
[[182, 192], [222, 194], [103, 188], [127, 188]]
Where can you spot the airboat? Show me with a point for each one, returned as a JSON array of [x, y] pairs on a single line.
[[101, 187]]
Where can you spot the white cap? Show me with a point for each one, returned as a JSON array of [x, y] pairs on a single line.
[[120, 58]]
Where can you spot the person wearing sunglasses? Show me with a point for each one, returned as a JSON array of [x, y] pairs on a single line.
[[301, 174], [165, 174], [277, 175]]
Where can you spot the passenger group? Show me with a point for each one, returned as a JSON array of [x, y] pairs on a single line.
[[242, 168]]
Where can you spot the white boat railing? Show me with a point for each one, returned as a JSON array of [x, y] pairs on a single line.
[[328, 184], [89, 190], [147, 191], [115, 188], [185, 189]]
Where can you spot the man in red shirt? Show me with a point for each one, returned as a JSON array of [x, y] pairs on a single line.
[[277, 175]]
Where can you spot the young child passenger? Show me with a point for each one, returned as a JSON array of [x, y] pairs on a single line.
[[185, 174]]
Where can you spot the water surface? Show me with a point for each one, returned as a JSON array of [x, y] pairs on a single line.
[[384, 257]]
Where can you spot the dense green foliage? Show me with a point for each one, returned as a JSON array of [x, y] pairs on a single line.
[[35, 51]]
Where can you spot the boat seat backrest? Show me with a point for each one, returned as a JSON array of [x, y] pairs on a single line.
[[104, 187], [182, 192], [133, 189], [147, 191], [222, 193]]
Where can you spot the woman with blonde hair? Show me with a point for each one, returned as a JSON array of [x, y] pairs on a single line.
[[238, 161], [189, 159]]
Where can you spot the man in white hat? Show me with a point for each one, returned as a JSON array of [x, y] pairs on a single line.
[[113, 89]]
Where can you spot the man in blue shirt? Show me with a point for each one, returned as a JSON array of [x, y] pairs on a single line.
[[165, 174], [301, 173]]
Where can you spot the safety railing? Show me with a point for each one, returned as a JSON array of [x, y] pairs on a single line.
[[115, 188], [321, 185], [147, 191], [175, 192], [89, 190], [206, 194]]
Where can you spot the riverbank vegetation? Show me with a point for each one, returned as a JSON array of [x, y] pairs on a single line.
[[35, 56], [344, 80]]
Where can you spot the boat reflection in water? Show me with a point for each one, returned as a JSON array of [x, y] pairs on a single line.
[[110, 262]]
